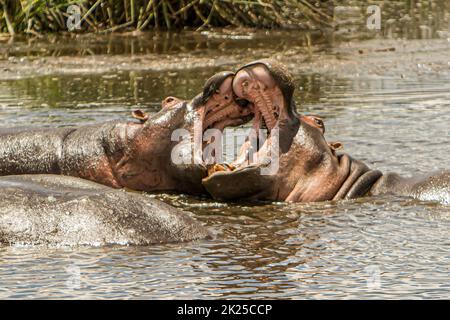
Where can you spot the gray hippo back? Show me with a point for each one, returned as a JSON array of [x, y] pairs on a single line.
[[61, 210]]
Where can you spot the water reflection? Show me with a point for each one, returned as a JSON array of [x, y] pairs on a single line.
[[279, 250], [156, 43]]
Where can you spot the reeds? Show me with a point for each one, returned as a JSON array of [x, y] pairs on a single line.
[[38, 16], [41, 16]]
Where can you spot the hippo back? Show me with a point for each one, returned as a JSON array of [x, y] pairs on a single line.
[[61, 210]]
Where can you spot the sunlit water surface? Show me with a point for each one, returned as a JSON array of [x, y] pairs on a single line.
[[384, 247]]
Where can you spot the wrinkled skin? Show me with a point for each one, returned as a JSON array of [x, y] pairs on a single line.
[[310, 169], [61, 210], [135, 155]]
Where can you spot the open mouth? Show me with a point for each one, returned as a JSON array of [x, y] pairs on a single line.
[[220, 108], [267, 88]]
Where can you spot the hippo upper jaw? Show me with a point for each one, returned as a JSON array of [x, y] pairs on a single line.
[[268, 88], [217, 107], [214, 110]]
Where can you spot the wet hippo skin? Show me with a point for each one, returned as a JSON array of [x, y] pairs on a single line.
[[61, 210]]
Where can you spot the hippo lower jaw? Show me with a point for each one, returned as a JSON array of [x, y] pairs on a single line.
[[256, 186], [248, 167]]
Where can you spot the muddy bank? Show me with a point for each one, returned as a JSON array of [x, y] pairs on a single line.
[[371, 58], [380, 58]]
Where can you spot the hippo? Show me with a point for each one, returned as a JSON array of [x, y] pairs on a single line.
[[129, 154], [310, 168], [62, 210]]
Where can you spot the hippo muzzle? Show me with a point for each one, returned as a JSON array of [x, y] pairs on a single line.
[[268, 88]]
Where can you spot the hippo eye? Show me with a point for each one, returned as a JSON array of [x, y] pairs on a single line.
[[319, 122]]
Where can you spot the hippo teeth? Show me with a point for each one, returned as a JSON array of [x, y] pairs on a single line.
[[264, 104], [218, 167]]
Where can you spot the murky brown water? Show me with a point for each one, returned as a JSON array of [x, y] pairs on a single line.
[[381, 247]]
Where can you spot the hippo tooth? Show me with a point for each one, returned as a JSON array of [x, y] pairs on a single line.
[[269, 107], [262, 102]]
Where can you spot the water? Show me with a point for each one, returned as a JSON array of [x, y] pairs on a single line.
[[383, 247]]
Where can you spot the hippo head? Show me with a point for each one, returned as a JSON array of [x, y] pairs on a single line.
[[170, 143], [307, 169]]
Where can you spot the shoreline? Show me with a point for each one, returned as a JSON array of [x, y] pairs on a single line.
[[354, 59]]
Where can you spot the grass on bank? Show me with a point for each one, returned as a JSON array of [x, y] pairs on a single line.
[[39, 16]]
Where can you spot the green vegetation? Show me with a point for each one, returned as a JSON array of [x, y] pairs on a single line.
[[42, 16], [38, 16]]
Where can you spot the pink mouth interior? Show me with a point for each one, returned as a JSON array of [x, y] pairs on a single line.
[[257, 85], [221, 110]]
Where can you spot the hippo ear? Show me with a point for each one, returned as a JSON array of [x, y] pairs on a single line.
[[140, 115], [336, 145]]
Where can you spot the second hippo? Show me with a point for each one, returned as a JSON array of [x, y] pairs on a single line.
[[61, 210]]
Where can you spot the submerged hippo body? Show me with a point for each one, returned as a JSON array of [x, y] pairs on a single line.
[[127, 154], [428, 187], [310, 168], [61, 210]]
